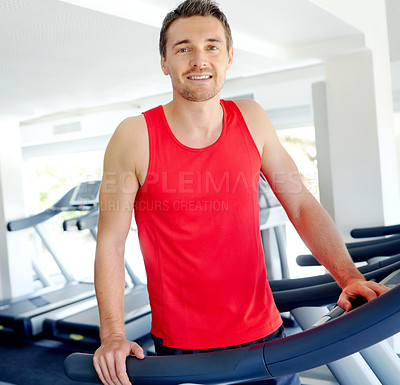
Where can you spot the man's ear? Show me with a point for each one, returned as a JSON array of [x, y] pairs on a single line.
[[230, 58], [164, 65]]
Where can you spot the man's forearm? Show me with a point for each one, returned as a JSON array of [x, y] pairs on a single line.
[[321, 236], [110, 287]]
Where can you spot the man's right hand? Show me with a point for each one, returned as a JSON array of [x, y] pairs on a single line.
[[109, 359]]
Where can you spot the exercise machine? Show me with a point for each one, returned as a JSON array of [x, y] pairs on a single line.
[[24, 316], [338, 335], [81, 324], [365, 251]]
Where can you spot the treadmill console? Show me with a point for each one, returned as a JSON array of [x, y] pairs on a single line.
[[86, 194], [392, 279]]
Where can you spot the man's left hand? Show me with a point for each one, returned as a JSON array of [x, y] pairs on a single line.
[[360, 288]]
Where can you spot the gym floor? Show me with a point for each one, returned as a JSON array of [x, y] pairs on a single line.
[[41, 363]]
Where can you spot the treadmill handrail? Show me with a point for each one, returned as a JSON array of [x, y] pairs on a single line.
[[80, 221], [88, 221], [348, 334], [362, 327], [378, 231], [384, 247], [294, 283], [62, 204], [371, 242], [24, 223], [323, 294]]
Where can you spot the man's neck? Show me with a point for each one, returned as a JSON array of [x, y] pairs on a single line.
[[195, 123], [198, 115]]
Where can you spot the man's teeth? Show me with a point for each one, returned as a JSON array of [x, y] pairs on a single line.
[[200, 77]]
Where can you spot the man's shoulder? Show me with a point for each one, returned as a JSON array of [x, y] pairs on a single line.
[[132, 124], [253, 113], [127, 149], [130, 133], [130, 129], [247, 105]]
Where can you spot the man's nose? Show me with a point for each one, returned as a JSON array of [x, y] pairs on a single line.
[[198, 59]]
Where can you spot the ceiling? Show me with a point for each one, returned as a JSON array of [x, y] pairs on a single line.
[[62, 55]]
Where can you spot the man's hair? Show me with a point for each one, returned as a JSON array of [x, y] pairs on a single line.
[[190, 8]]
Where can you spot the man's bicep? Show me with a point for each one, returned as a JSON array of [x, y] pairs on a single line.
[[115, 214], [117, 192]]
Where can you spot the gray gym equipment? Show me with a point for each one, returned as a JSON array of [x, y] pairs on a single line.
[[81, 324], [24, 316]]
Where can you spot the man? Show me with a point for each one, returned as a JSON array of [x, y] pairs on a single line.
[[190, 170]]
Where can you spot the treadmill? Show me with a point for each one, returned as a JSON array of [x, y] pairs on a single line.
[[335, 336], [24, 317], [343, 370], [288, 299], [81, 324]]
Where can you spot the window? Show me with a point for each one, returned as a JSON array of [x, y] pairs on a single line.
[[299, 142], [46, 180]]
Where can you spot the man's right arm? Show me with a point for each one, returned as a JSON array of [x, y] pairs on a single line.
[[117, 194]]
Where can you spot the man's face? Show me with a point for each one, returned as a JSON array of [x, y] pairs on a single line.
[[196, 57]]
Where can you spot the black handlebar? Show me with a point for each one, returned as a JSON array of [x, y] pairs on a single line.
[[323, 294], [352, 332], [295, 283], [362, 251], [88, 221], [375, 231], [84, 222]]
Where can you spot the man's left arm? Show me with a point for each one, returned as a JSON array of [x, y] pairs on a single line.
[[312, 222], [321, 236]]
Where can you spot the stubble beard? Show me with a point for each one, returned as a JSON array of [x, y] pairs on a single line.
[[199, 96], [195, 94]]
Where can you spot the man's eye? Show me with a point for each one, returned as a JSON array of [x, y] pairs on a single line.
[[212, 47], [182, 50]]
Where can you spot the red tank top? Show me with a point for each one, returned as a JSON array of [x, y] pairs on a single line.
[[198, 223]]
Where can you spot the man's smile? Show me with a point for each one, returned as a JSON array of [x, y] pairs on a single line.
[[199, 77]]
